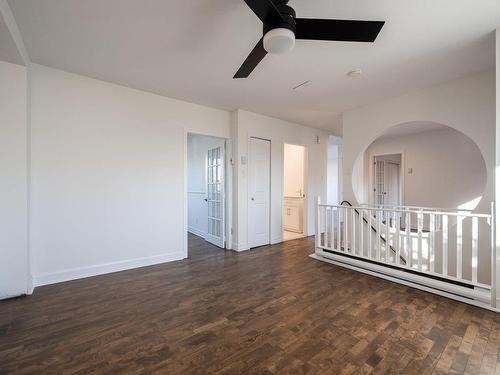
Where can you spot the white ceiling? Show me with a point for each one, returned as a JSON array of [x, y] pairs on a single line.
[[190, 49]]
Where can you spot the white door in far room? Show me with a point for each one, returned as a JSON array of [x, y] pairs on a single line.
[[215, 196], [259, 191], [392, 184], [387, 182]]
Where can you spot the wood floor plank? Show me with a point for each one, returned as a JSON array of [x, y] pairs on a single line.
[[272, 310]]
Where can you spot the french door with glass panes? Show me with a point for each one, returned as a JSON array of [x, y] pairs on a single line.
[[386, 189], [216, 196]]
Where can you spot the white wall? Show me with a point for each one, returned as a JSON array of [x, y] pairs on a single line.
[[448, 169], [245, 125], [197, 148], [333, 176], [293, 170], [467, 105], [108, 184], [14, 268]]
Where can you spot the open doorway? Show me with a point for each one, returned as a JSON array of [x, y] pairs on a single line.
[[387, 180], [294, 192], [206, 186]]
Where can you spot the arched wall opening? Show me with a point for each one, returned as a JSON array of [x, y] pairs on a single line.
[[439, 166]]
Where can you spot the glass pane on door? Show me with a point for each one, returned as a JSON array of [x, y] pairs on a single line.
[[215, 196]]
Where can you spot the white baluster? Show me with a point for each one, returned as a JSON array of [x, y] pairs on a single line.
[[346, 216], [387, 255], [397, 224], [331, 233], [420, 219], [339, 239], [459, 246], [445, 245], [475, 236], [370, 238], [353, 231], [409, 247], [379, 222], [432, 239], [361, 233]]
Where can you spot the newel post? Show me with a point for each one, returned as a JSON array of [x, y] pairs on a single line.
[[493, 257], [318, 222]]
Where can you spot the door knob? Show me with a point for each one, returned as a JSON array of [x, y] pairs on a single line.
[[205, 199], [252, 198]]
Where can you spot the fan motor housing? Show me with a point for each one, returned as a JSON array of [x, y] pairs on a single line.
[[288, 22]]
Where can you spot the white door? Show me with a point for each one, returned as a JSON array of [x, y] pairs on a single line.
[[259, 191], [392, 184], [387, 176], [216, 196]]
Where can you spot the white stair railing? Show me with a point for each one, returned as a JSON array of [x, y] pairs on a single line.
[[448, 250]]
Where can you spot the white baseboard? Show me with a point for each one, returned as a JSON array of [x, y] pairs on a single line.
[[276, 240], [197, 232], [31, 286], [101, 269], [245, 247], [237, 247], [9, 296]]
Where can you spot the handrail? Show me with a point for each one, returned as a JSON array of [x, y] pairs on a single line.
[[419, 208], [459, 214], [373, 229]]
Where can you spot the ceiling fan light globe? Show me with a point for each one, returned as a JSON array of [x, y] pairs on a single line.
[[279, 40]]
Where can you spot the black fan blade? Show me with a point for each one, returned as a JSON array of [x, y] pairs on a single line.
[[265, 10], [255, 57], [339, 30]]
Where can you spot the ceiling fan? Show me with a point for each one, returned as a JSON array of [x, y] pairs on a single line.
[[282, 27]]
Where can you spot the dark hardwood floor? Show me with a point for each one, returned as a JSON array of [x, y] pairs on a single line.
[[269, 310]]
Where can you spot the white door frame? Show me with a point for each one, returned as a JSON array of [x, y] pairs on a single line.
[[228, 187], [270, 186], [306, 184], [401, 176]]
